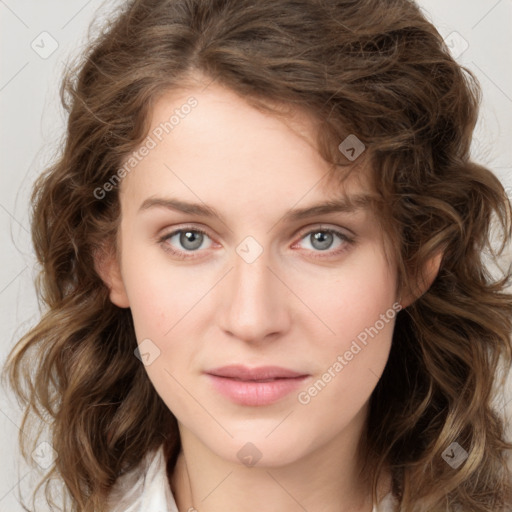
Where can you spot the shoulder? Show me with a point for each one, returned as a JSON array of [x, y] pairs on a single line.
[[144, 488]]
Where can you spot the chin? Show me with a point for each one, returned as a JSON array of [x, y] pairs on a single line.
[[260, 449]]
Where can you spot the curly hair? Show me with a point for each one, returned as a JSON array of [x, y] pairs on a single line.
[[375, 68]]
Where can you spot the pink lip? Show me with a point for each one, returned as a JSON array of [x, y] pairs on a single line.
[[255, 386]]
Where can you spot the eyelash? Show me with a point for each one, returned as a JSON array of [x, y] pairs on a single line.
[[183, 254]]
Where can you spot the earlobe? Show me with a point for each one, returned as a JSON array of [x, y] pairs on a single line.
[[429, 274], [107, 267]]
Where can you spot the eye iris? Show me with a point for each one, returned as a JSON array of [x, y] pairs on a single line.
[[321, 240], [191, 237]]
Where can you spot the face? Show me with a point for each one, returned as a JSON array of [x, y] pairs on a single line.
[[259, 319]]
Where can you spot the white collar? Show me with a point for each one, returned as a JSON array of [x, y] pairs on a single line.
[[146, 489]]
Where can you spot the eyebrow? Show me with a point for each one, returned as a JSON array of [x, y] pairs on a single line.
[[350, 204]]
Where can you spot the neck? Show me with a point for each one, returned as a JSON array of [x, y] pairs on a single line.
[[326, 479]]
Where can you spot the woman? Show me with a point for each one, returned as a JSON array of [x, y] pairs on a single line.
[[262, 257]]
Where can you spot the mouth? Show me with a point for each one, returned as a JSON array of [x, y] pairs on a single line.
[[255, 386], [261, 373]]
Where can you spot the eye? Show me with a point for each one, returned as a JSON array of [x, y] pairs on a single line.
[[184, 240], [326, 240]]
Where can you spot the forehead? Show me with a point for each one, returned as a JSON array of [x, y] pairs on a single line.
[[209, 142]]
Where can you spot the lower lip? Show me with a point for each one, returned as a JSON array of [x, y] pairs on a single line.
[[255, 393]]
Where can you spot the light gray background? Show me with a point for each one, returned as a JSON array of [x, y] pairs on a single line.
[[32, 124]]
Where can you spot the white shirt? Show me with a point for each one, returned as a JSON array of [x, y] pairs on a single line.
[[146, 489]]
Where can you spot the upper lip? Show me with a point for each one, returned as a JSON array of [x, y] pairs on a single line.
[[246, 373]]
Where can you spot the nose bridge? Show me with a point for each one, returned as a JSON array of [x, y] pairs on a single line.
[[256, 304], [251, 281]]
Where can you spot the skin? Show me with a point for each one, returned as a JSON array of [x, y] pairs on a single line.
[[287, 308]]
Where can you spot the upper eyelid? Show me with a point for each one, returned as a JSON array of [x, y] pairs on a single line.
[[323, 226]]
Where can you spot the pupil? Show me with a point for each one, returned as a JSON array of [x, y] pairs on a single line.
[[322, 240], [191, 240]]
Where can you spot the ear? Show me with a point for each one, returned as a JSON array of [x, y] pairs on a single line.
[[107, 267], [428, 275]]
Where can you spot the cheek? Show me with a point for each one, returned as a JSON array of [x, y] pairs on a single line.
[[351, 300], [165, 303], [361, 315], [160, 295], [161, 302]]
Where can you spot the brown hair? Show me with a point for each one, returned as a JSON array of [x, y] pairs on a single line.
[[374, 68]]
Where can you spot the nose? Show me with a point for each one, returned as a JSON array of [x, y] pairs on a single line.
[[255, 303]]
